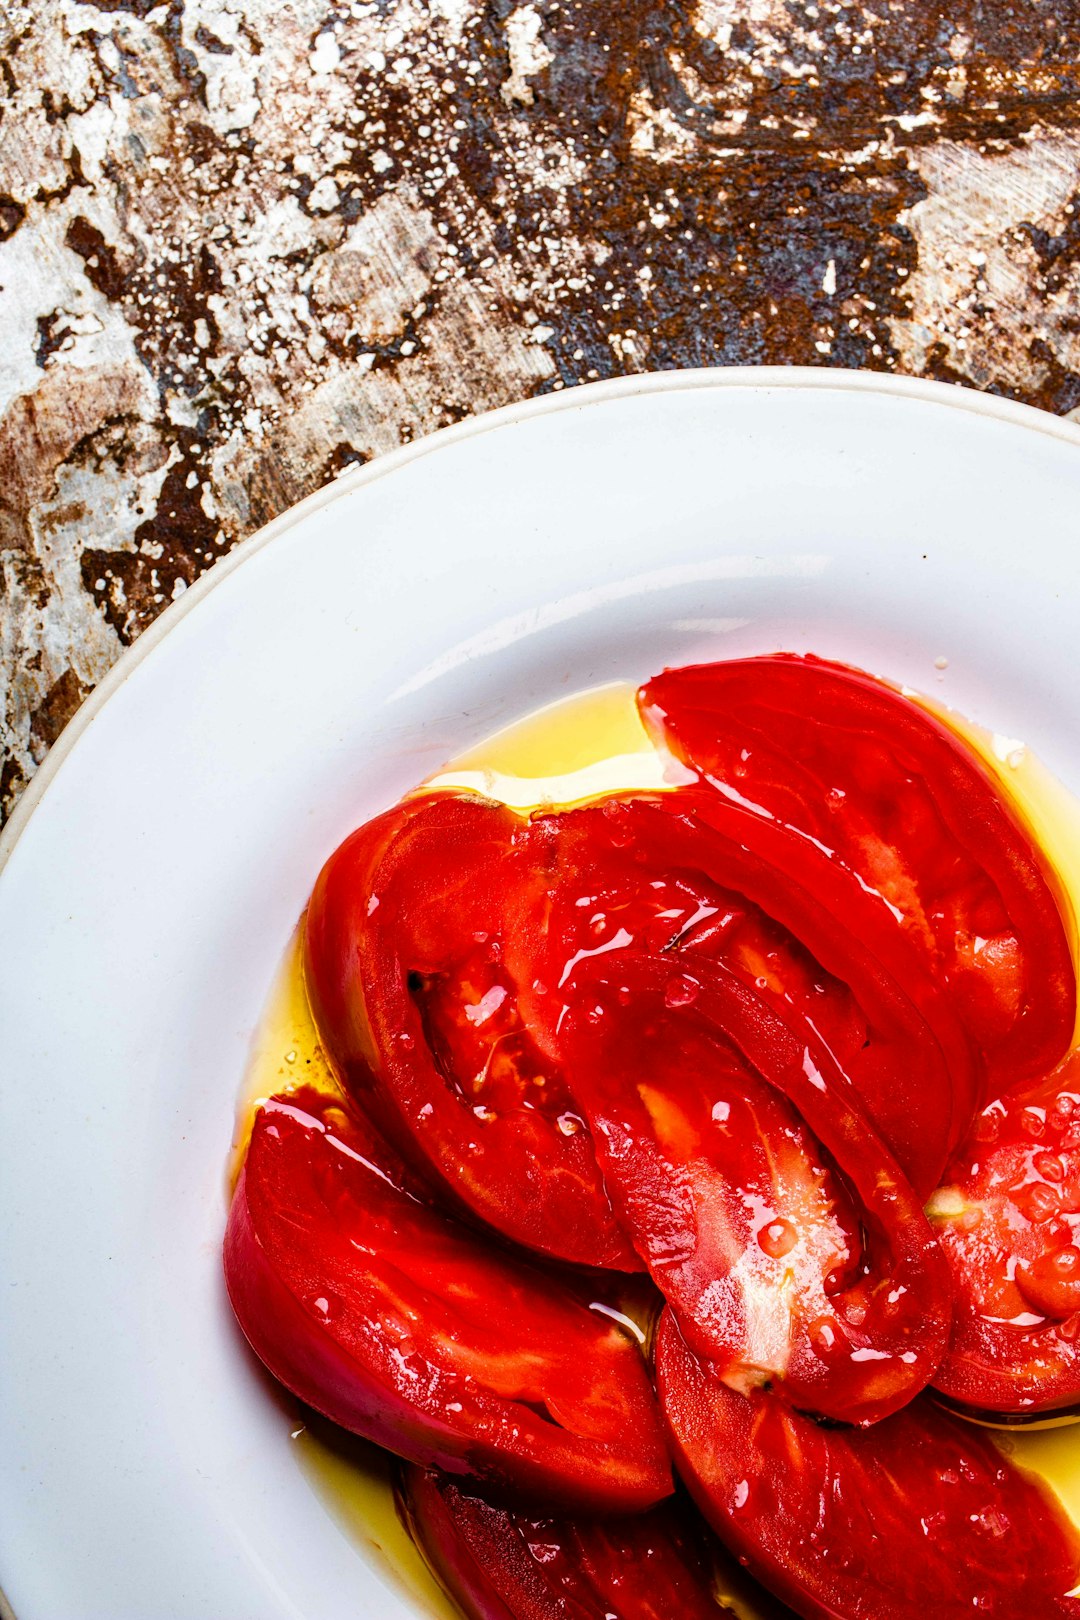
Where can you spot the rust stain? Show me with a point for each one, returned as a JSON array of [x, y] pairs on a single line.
[[242, 248]]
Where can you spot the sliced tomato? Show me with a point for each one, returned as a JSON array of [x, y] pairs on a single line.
[[857, 768], [920, 1515], [407, 1328], [684, 873], [778, 1271], [1008, 1219], [416, 996], [501, 1565]]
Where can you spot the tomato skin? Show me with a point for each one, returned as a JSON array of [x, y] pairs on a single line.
[[917, 1077], [403, 1326], [1008, 1219], [407, 939], [908, 807], [501, 1565], [921, 1514], [686, 1077]]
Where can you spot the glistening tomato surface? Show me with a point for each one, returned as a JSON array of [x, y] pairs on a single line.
[[779, 1273], [855, 766], [408, 940], [920, 1515], [685, 873], [405, 1327], [501, 1565], [1008, 1219]]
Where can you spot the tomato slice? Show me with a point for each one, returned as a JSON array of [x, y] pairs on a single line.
[[778, 1272], [405, 1327], [853, 765], [1008, 1219], [416, 998], [792, 924], [501, 1565], [921, 1514]]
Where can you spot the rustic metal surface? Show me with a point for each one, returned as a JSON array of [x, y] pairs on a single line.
[[244, 243]]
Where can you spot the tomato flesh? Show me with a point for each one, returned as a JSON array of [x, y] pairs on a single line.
[[403, 1326], [921, 1514], [1008, 1220], [501, 1565], [854, 765], [731, 1036], [779, 1272], [794, 926], [408, 944]]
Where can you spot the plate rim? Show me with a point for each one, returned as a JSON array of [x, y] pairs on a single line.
[[838, 379], [759, 380]]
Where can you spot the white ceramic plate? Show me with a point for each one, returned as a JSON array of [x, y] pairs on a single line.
[[159, 861]]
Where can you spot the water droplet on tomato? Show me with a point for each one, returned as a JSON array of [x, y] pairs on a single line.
[[1033, 1122], [987, 1126], [1037, 1201], [1051, 1283], [827, 1341], [681, 991], [778, 1238]]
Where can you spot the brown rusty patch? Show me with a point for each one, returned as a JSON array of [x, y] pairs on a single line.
[[12, 214], [53, 713], [132, 586], [42, 429], [275, 245]]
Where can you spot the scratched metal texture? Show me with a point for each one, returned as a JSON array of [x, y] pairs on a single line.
[[246, 243]]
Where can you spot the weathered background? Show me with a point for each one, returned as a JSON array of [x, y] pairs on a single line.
[[245, 243]]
